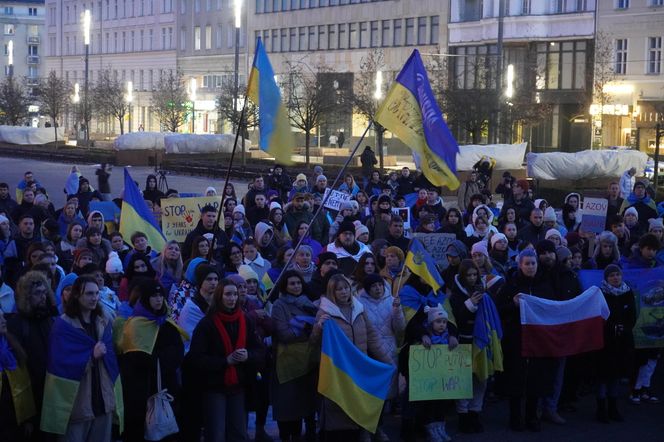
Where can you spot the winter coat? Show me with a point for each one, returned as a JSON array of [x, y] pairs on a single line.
[[348, 259], [359, 329], [368, 161], [99, 252], [294, 217], [464, 311], [220, 243], [615, 360], [466, 190]]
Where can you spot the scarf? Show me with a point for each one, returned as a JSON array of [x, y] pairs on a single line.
[[301, 302], [299, 323], [614, 291], [440, 339], [141, 310], [633, 199], [7, 359], [231, 376]]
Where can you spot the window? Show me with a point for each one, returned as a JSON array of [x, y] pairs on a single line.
[[332, 36], [197, 38], [422, 31], [32, 12], [163, 39], [313, 39], [352, 36], [364, 34], [343, 40], [9, 29], [142, 37], [435, 30], [183, 39], [621, 56], [219, 35], [525, 7], [581, 5], [385, 33], [302, 41], [561, 65], [292, 44], [9, 10], [33, 50], [410, 31], [656, 2], [208, 37], [622, 4], [375, 34], [283, 46], [398, 38], [654, 55]]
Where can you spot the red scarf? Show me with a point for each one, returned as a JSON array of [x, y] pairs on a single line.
[[230, 376]]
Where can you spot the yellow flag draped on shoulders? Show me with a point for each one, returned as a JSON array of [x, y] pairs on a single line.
[[411, 113]]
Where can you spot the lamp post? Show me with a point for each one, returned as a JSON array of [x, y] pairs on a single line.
[[10, 58], [130, 98], [193, 86], [87, 22], [236, 86], [76, 99], [378, 95]]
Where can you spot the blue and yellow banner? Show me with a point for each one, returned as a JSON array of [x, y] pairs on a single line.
[[351, 379], [411, 113], [420, 262], [487, 334], [276, 137], [136, 217]]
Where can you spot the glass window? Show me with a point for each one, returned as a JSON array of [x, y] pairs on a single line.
[[654, 55], [343, 40], [398, 37], [332, 42], [364, 34], [385, 37], [410, 31], [197, 38], [275, 40], [435, 30], [292, 46], [375, 36], [302, 46], [313, 39], [422, 31], [621, 56], [352, 35], [322, 37], [284, 41]]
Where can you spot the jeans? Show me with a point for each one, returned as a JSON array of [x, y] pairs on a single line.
[[474, 403], [225, 417], [93, 430], [550, 403]]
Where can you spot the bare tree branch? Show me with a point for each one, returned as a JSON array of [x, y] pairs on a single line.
[[169, 100], [53, 95]]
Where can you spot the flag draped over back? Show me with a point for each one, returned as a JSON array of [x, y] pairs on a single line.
[[563, 328], [276, 137], [136, 217], [411, 113], [487, 333], [351, 379], [420, 262]]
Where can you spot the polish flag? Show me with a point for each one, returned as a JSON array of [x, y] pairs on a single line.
[[563, 328]]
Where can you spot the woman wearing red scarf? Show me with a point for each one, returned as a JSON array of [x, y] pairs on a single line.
[[224, 351]]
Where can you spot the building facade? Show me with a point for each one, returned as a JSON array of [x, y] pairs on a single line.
[[135, 39], [530, 65], [634, 95], [23, 25]]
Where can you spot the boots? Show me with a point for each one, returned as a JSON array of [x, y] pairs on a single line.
[[432, 432], [532, 421], [475, 423], [602, 415], [465, 423], [516, 419], [442, 432], [614, 414]]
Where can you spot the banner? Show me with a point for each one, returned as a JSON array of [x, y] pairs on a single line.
[[594, 214], [335, 199], [436, 244], [648, 287], [179, 216], [109, 210], [440, 373]]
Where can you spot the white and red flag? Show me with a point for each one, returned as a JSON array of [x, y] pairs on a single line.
[[563, 328]]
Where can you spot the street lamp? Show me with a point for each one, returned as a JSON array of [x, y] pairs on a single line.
[[378, 95], [129, 97], [193, 86], [87, 23], [238, 23], [10, 56]]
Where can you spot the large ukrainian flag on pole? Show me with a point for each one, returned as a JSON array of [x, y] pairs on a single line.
[[411, 113], [136, 217], [276, 137], [420, 262], [351, 379]]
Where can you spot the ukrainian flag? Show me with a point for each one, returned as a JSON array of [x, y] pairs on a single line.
[[351, 379], [276, 137], [487, 333], [411, 113], [140, 334], [412, 301], [421, 263], [136, 217], [70, 351]]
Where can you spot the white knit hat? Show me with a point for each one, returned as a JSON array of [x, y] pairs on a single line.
[[113, 265], [633, 211], [274, 205], [497, 237], [239, 208], [434, 313]]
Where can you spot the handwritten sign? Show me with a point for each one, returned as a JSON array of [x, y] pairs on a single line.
[[436, 244], [438, 373], [594, 214], [181, 215], [336, 199], [404, 213]]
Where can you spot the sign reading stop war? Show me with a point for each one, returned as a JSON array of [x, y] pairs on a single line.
[[440, 373], [181, 215], [594, 215]]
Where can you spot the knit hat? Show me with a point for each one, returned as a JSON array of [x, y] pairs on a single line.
[[318, 170], [549, 214], [321, 178], [355, 205], [346, 205], [202, 270], [434, 313], [545, 246], [655, 223], [247, 272], [480, 247], [361, 229], [300, 177], [82, 180], [562, 253], [274, 205], [611, 268], [523, 184], [632, 211], [3, 219], [497, 237], [211, 189], [113, 264], [324, 256], [396, 251], [384, 199], [346, 226], [552, 232], [639, 184], [236, 278], [52, 225], [370, 280], [239, 208]]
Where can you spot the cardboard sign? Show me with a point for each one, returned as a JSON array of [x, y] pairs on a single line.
[[594, 214], [436, 244], [404, 213], [335, 199], [438, 373], [108, 209], [179, 216]]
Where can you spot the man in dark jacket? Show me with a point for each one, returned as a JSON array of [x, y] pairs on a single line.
[[434, 203], [258, 186], [103, 175], [520, 201], [18, 246], [368, 161], [395, 234], [280, 182], [296, 212], [641, 201], [405, 180], [7, 204], [206, 225], [347, 250], [535, 231], [85, 195]]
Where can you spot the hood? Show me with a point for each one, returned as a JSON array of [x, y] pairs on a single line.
[[103, 221], [333, 310], [578, 196], [487, 208], [64, 282], [343, 253], [190, 274], [261, 229]]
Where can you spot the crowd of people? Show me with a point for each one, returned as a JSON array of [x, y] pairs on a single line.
[[230, 321]]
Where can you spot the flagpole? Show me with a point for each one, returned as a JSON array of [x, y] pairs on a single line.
[[220, 212], [322, 204]]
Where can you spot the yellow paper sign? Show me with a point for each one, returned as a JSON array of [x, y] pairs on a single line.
[[181, 215], [438, 373]]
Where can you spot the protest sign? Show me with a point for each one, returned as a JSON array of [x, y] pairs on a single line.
[[404, 213], [109, 210], [181, 215], [436, 244], [440, 373], [648, 287], [335, 199], [594, 215]]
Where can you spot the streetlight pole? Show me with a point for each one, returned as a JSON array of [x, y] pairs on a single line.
[[130, 99], [193, 86], [76, 99], [87, 22], [236, 85], [10, 58], [378, 95]]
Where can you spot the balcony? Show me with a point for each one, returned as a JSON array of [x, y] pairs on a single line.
[[33, 39], [32, 81], [33, 59]]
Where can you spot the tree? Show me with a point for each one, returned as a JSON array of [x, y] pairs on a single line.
[[169, 100], [14, 102], [108, 96], [53, 97], [228, 112], [365, 100], [308, 98], [603, 74]]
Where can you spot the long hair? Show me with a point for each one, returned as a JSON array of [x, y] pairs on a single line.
[[466, 265], [283, 284], [175, 267], [333, 283], [73, 307], [359, 274], [217, 303], [194, 247]]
